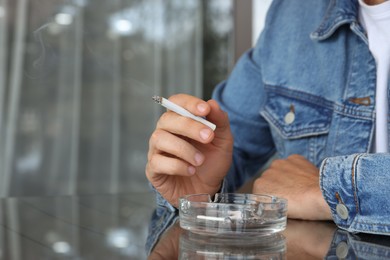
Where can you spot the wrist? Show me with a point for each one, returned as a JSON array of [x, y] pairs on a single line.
[[322, 207]]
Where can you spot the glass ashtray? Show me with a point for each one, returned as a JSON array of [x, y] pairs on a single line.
[[232, 214]]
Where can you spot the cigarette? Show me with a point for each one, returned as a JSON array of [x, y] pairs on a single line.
[[181, 111]]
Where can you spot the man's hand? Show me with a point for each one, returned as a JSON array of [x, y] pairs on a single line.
[[297, 180], [187, 157]]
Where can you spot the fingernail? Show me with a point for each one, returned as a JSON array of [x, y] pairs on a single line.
[[191, 170], [198, 158], [205, 134], [202, 107]]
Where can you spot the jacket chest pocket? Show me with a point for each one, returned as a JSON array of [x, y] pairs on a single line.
[[299, 123]]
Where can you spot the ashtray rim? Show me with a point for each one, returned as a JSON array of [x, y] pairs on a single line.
[[275, 200]]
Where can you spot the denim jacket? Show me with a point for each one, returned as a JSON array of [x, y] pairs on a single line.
[[308, 88]]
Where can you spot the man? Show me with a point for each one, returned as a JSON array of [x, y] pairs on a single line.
[[308, 91]]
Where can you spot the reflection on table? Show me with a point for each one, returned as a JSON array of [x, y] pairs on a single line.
[[301, 240], [195, 246], [359, 246], [70, 227]]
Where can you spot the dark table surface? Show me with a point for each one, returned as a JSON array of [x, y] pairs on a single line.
[[115, 227], [75, 227], [300, 240]]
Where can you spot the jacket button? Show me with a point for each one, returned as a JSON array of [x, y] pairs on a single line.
[[289, 117], [342, 211], [342, 250]]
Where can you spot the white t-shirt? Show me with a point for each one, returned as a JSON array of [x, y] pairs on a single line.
[[376, 20]]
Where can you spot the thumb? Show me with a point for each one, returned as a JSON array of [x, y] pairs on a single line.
[[221, 120]]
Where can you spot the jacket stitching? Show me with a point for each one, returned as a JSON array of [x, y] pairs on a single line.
[[354, 164]]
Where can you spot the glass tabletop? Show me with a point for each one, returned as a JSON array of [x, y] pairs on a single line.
[[300, 240], [115, 226], [75, 227]]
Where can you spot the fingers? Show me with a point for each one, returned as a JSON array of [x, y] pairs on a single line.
[[163, 142], [183, 126], [193, 104], [171, 155], [163, 165], [187, 127], [199, 107]]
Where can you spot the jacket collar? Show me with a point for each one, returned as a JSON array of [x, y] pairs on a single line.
[[339, 12]]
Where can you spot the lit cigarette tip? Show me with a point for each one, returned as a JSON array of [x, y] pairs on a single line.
[[157, 99]]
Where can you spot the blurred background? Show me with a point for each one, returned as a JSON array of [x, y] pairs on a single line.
[[77, 77]]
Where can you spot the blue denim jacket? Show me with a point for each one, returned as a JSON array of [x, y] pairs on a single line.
[[308, 87]]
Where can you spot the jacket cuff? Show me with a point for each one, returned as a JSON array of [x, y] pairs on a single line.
[[338, 186], [164, 216], [356, 188]]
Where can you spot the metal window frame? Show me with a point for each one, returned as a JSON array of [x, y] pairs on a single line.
[[242, 35], [242, 27]]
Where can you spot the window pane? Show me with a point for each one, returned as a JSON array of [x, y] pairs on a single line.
[[76, 81]]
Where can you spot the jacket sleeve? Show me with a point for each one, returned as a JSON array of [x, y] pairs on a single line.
[[243, 96], [356, 187]]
